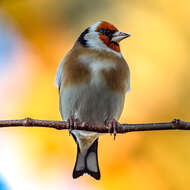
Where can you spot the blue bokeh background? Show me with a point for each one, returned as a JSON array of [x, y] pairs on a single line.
[[3, 185]]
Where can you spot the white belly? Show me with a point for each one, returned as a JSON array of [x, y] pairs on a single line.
[[90, 103]]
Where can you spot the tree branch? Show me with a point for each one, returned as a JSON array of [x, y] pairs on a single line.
[[123, 128]]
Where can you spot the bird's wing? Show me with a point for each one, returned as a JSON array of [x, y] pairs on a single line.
[[59, 74], [128, 81], [128, 85]]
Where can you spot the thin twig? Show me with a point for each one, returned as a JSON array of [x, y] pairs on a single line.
[[123, 128]]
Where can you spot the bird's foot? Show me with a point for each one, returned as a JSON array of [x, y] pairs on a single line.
[[72, 124], [112, 127]]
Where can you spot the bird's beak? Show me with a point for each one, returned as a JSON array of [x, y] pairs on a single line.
[[118, 36]]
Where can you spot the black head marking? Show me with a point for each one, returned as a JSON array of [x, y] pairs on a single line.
[[107, 32], [81, 38]]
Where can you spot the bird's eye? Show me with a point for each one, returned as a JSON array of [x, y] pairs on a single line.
[[102, 30], [106, 32]]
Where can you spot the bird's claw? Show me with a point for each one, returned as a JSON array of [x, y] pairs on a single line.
[[112, 127], [71, 124]]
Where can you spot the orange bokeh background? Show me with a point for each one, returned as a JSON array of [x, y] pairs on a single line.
[[34, 37]]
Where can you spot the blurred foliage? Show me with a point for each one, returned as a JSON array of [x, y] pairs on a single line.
[[40, 32]]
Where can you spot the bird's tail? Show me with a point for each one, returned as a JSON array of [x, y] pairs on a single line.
[[87, 162]]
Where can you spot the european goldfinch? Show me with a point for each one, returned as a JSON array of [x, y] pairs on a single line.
[[93, 79]]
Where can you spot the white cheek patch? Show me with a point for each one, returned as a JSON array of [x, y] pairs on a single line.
[[94, 42]]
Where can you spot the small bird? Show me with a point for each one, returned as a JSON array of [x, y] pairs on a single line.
[[93, 79]]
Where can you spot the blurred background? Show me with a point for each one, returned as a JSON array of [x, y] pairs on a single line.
[[34, 37]]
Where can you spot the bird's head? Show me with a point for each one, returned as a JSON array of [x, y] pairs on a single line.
[[102, 36]]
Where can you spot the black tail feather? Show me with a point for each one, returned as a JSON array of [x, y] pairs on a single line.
[[88, 162]]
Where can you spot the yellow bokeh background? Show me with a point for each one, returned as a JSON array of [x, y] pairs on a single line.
[[34, 37]]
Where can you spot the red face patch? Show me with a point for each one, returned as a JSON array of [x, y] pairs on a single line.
[[110, 44], [104, 38], [106, 25]]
